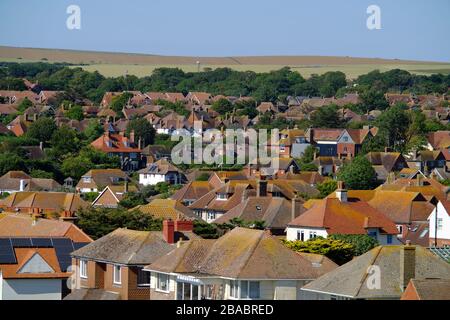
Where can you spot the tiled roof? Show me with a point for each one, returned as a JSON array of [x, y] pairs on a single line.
[[242, 254], [351, 279], [192, 191], [431, 289], [351, 217], [115, 143], [22, 225], [274, 211], [167, 209]]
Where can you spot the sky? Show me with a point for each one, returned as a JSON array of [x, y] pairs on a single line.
[[410, 29]]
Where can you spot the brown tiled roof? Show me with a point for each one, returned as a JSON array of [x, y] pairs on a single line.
[[162, 166], [117, 144], [127, 247], [439, 139], [192, 191], [101, 178], [242, 254], [22, 225], [167, 209], [274, 211], [351, 217], [430, 289], [385, 159], [235, 188], [351, 279], [398, 205], [58, 201]]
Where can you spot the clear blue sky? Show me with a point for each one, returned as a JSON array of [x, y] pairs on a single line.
[[411, 29]]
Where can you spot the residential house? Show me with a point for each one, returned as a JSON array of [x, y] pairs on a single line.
[[191, 192], [385, 163], [199, 98], [127, 149], [35, 268], [292, 143], [427, 160], [274, 212], [427, 289], [161, 171], [167, 209], [112, 267], [44, 203], [382, 273], [342, 215], [16, 181], [20, 225], [96, 180], [110, 197], [439, 225], [154, 153], [329, 165], [244, 264]]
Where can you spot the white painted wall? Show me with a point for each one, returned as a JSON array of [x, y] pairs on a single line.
[[151, 179], [444, 232], [31, 289], [291, 232]]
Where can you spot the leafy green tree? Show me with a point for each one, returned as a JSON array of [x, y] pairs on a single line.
[[142, 129], [75, 167], [24, 104], [11, 161], [374, 144], [120, 101], [98, 222], [222, 106], [64, 141], [132, 199], [393, 124], [75, 113], [311, 167], [358, 175], [308, 154], [93, 130], [327, 187], [326, 117], [203, 177], [42, 129], [373, 99], [36, 173], [361, 242], [337, 250]]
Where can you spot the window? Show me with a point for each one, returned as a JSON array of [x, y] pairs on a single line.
[[143, 277], [301, 235], [211, 215], [221, 196], [209, 291], [162, 282], [244, 289], [389, 239], [400, 229], [234, 289], [346, 139], [439, 224], [83, 269], [312, 234], [117, 277]]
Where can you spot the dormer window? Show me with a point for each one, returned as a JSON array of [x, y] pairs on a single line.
[[87, 179]]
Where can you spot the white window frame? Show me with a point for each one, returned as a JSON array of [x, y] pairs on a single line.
[[158, 282], [117, 271], [439, 224], [211, 215], [237, 293], [83, 269]]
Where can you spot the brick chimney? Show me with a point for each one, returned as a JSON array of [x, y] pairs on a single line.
[[341, 192], [169, 231], [261, 188], [295, 203], [407, 264], [183, 225]]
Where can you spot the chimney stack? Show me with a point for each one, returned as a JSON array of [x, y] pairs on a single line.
[[261, 188], [183, 225], [169, 231], [341, 192], [294, 208], [407, 264]]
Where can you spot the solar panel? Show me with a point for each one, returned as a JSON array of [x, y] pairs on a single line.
[[61, 242], [21, 242], [78, 245], [7, 255], [42, 242]]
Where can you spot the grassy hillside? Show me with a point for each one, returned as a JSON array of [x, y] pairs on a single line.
[[115, 64]]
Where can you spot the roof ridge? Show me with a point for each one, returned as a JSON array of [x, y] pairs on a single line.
[[379, 248], [261, 236]]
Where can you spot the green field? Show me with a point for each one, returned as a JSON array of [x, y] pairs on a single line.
[[352, 71], [116, 64]]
